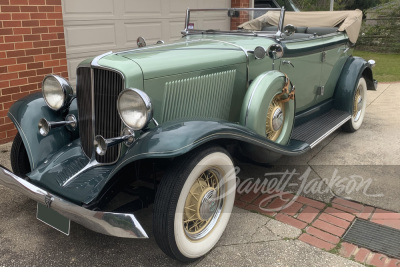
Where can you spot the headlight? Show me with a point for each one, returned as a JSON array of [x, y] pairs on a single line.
[[134, 108], [57, 92]]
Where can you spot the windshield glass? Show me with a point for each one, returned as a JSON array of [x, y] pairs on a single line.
[[222, 20]]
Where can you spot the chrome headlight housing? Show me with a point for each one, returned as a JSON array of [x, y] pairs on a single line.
[[57, 92], [134, 108]]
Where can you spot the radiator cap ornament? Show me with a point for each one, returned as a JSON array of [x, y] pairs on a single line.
[[141, 42]]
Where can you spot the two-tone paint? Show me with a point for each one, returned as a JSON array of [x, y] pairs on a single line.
[[58, 157]]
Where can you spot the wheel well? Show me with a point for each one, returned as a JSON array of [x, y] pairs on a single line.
[[147, 171], [367, 74]]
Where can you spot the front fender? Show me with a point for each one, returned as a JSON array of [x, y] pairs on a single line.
[[353, 70], [70, 174], [26, 113]]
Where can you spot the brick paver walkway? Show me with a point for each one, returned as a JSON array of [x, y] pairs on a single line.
[[323, 225]]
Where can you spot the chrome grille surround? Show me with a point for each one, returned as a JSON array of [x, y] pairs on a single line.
[[97, 109]]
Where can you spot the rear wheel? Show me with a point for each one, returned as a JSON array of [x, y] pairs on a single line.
[[193, 203], [19, 157], [359, 106]]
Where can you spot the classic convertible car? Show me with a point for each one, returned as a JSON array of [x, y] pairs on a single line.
[[162, 123]]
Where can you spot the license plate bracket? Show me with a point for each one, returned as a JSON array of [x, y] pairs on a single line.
[[53, 219]]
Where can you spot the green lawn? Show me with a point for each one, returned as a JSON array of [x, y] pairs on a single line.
[[387, 65]]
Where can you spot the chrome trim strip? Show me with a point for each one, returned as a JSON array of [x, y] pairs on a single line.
[[158, 46], [108, 223], [235, 9], [93, 156], [316, 142], [274, 149], [95, 61], [90, 165]]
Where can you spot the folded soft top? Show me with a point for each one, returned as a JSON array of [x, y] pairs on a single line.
[[348, 21]]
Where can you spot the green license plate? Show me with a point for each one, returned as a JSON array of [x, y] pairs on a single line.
[[53, 219]]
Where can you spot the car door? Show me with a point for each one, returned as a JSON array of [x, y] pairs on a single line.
[[302, 62], [334, 57]]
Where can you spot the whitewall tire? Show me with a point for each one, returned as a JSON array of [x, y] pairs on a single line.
[[193, 203], [359, 107]]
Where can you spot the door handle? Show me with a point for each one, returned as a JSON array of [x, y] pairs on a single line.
[[285, 62]]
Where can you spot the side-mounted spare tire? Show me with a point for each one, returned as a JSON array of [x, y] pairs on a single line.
[[268, 111]]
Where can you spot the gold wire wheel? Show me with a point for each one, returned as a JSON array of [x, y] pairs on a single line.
[[203, 205], [357, 103], [275, 118]]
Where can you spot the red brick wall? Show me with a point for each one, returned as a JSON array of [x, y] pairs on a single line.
[[235, 22], [32, 45]]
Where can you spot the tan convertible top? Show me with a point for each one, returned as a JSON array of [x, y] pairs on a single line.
[[349, 21]]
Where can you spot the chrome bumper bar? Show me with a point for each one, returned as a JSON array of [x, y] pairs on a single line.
[[108, 223]]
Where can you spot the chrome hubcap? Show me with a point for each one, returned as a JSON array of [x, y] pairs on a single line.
[[277, 119], [203, 204], [208, 204]]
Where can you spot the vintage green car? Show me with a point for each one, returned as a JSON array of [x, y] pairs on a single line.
[[162, 122]]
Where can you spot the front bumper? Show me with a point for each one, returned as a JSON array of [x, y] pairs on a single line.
[[108, 223]]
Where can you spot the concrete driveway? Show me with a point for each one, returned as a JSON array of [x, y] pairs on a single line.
[[250, 239]]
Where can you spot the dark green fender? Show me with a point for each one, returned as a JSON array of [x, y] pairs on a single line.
[[26, 113], [168, 140], [176, 138], [353, 70]]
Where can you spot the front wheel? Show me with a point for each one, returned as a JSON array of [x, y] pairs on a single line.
[[359, 106], [193, 203]]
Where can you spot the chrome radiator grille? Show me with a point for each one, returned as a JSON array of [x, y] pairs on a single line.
[[107, 86]]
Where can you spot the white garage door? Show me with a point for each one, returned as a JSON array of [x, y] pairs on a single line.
[[93, 27]]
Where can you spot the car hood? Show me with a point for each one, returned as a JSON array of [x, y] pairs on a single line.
[[191, 53]]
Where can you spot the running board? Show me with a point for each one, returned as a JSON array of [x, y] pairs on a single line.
[[316, 130]]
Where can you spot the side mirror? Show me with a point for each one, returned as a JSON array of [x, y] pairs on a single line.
[[289, 30]]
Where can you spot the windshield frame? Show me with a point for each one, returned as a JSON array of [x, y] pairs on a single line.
[[278, 34]]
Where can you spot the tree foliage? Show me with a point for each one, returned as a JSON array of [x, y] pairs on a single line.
[[315, 5]]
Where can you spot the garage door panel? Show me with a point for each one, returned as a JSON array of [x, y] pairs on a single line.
[[152, 31], [88, 7], [72, 65], [218, 24], [143, 7], [179, 7], [175, 29], [89, 37], [93, 27], [214, 4]]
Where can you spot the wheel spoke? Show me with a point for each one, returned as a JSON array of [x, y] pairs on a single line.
[[193, 195]]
